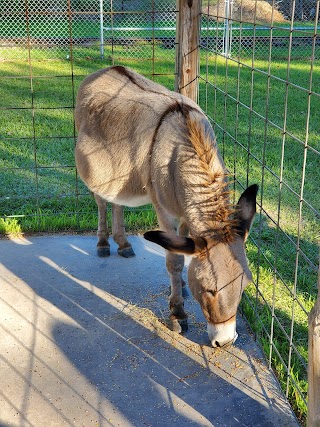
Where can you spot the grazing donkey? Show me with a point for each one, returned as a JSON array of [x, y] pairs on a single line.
[[140, 143]]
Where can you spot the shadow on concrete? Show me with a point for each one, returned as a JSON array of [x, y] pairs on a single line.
[[83, 343]]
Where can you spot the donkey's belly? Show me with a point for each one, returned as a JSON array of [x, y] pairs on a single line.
[[125, 192], [131, 201], [118, 179]]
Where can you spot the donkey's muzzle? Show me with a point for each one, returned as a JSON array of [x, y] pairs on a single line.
[[222, 334]]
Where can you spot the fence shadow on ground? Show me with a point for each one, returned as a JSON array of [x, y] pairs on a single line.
[[89, 352]]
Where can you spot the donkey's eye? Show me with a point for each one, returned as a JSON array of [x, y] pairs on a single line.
[[213, 293]]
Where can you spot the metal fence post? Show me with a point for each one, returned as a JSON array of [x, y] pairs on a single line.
[[101, 30], [227, 30], [313, 418], [187, 47]]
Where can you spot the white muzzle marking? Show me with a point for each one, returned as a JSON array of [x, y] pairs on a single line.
[[222, 334]]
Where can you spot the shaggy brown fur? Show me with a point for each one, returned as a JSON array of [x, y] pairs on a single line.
[[218, 212]]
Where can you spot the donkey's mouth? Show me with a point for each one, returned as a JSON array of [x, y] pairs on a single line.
[[216, 344], [223, 334]]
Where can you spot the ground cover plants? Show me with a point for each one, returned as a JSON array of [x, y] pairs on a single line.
[[248, 102]]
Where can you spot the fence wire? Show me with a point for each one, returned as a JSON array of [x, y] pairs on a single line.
[[259, 84], [266, 91]]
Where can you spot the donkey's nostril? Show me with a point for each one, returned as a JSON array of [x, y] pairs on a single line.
[[220, 334], [224, 344]]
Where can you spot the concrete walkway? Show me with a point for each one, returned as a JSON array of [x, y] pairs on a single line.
[[83, 342]]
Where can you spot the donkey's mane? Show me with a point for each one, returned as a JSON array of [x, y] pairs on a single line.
[[218, 212]]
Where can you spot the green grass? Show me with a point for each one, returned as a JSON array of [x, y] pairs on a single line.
[[40, 190], [272, 251]]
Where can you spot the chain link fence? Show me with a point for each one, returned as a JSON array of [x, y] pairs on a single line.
[[96, 27]]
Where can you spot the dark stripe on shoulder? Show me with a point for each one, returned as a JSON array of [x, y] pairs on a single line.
[[177, 107]]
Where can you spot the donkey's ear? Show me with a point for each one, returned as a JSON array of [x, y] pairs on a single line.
[[177, 244], [246, 209]]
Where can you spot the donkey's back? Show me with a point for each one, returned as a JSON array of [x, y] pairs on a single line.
[[118, 115]]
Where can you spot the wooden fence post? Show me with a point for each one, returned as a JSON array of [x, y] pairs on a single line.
[[313, 418], [187, 47]]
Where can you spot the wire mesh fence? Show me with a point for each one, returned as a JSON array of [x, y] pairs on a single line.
[[266, 93], [46, 49], [91, 26], [259, 83]]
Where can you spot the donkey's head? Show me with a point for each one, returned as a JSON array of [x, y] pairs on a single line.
[[218, 271]]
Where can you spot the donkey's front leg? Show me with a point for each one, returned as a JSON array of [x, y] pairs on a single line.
[[183, 230], [103, 247], [178, 317], [118, 232]]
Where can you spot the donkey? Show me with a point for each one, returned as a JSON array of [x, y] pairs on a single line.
[[139, 143]]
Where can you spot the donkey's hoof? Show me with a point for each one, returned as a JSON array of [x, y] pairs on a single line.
[[185, 292], [184, 325], [103, 252], [179, 326], [175, 326], [126, 252]]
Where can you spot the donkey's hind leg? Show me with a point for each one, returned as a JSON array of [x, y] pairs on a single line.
[[103, 247], [118, 232]]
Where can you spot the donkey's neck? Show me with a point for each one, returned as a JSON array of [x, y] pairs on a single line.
[[207, 209], [203, 175]]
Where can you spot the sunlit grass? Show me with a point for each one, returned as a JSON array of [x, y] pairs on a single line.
[[239, 98], [10, 227]]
